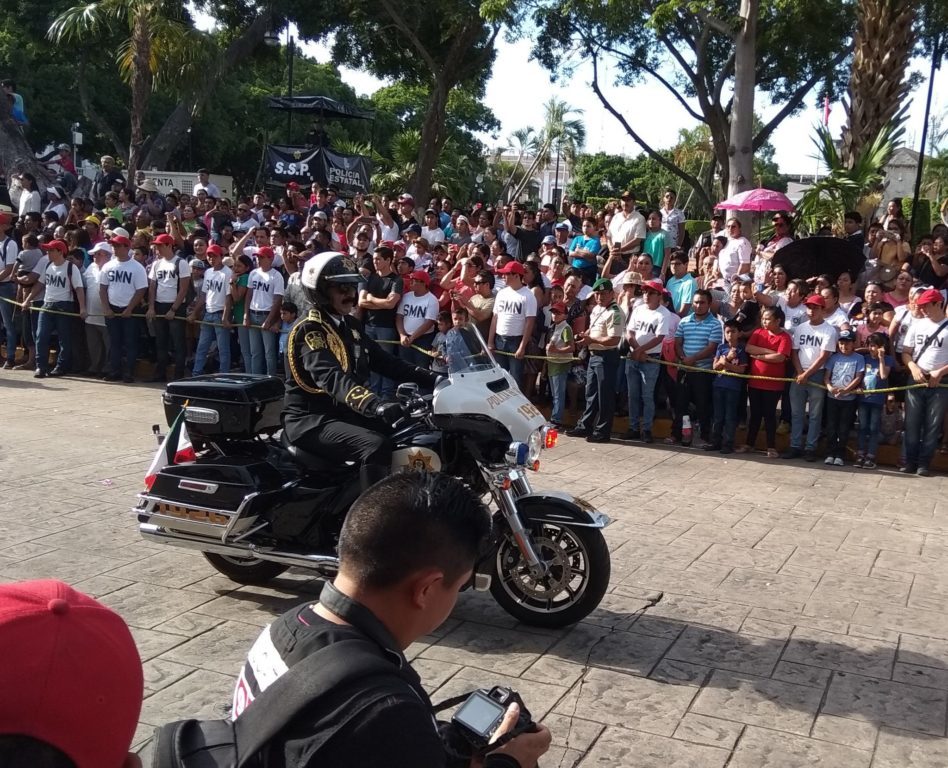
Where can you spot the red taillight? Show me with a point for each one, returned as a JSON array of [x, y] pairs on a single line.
[[552, 435]]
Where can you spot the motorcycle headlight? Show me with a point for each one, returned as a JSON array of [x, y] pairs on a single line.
[[534, 446]]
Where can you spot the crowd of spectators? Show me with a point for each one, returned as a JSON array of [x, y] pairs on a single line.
[[610, 311]]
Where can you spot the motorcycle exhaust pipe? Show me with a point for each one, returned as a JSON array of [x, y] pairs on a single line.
[[324, 564]]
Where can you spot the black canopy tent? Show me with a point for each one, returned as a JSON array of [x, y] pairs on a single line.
[[315, 161], [319, 105]]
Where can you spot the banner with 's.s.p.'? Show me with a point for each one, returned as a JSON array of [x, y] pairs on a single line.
[[348, 173]]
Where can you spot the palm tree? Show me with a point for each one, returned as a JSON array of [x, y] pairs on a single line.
[[161, 49], [847, 188], [449, 176], [525, 142], [560, 132], [878, 86]]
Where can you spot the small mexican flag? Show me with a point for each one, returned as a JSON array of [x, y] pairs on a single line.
[[174, 449]]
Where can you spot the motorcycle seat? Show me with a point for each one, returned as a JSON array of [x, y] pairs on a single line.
[[313, 462]]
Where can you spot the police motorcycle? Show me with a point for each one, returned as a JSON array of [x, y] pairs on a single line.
[[255, 505]]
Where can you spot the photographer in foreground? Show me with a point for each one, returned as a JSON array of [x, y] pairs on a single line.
[[407, 547]]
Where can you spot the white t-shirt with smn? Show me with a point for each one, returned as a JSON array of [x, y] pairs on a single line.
[[265, 286], [167, 273], [935, 355], [215, 289], [60, 281], [512, 309], [646, 324], [123, 279], [415, 310], [811, 341]]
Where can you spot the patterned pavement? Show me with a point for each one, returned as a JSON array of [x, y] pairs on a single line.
[[802, 621]]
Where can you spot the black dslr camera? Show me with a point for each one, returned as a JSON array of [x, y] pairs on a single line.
[[478, 718]]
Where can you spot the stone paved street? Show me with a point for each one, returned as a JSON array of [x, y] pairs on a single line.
[[803, 621]]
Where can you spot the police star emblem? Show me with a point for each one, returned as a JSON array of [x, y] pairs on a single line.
[[420, 461]]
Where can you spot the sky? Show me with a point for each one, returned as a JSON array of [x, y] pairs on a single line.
[[650, 109]]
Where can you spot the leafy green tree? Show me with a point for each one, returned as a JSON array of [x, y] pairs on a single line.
[[161, 45], [714, 55], [442, 51]]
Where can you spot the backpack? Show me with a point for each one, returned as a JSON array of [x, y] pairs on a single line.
[[239, 743]]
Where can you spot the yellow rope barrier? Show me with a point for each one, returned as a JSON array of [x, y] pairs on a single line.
[[430, 353]]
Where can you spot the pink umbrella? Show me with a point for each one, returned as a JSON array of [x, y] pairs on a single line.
[[757, 200]]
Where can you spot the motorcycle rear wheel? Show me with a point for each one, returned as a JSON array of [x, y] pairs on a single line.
[[580, 568], [245, 570]]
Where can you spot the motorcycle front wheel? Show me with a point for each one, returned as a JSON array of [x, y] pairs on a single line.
[[245, 570], [578, 575]]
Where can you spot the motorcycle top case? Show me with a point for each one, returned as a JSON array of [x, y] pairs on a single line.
[[245, 404]]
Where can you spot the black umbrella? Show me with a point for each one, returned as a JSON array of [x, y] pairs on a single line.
[[813, 256]]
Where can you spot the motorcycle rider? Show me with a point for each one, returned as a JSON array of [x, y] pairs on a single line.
[[329, 409]]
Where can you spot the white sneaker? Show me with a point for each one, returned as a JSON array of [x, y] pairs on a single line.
[[838, 462], [828, 461]]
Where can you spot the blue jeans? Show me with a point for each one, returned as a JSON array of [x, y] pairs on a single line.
[[508, 362], [724, 421], [870, 425], [641, 379], [123, 337], [208, 334], [62, 325], [377, 383], [8, 291], [558, 390], [264, 347], [243, 340], [924, 411], [800, 395]]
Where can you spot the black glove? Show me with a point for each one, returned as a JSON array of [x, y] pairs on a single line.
[[389, 411], [426, 378]]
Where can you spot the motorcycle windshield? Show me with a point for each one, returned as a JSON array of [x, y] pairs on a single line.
[[466, 351]]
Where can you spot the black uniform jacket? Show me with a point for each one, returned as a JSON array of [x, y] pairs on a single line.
[[328, 362]]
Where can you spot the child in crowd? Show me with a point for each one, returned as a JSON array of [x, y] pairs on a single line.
[[726, 390], [874, 323], [559, 349], [439, 363], [876, 376], [288, 315], [843, 376]]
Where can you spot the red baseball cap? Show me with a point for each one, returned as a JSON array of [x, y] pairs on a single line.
[[929, 296], [406, 198], [163, 239], [511, 268], [71, 675], [266, 251], [399, 245], [55, 245], [420, 274], [815, 300], [654, 285], [387, 244], [558, 306], [292, 185], [215, 249]]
